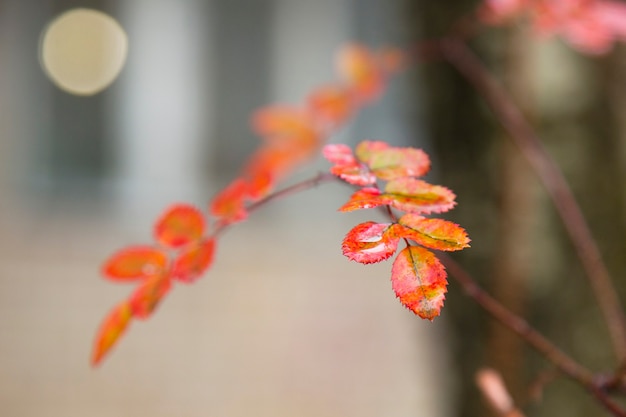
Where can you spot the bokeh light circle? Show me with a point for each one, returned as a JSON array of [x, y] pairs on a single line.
[[83, 51]]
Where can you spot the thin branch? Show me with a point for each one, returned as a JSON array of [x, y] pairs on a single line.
[[304, 185], [466, 62], [494, 390], [515, 323], [563, 362]]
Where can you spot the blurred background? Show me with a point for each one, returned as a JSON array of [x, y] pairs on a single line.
[[283, 324]]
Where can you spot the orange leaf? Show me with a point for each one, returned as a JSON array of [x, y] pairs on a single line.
[[134, 262], [419, 281], [193, 262], [363, 199], [148, 295], [417, 196], [389, 163], [331, 104], [179, 225], [280, 123], [436, 234], [369, 242], [359, 67], [110, 331], [228, 204]]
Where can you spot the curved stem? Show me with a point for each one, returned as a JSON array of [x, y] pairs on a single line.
[[304, 185], [466, 62]]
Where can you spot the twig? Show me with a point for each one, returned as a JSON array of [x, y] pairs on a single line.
[[495, 392], [466, 62], [515, 323], [518, 325], [304, 185]]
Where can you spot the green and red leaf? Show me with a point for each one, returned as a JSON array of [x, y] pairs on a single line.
[[134, 262], [364, 198], [417, 196], [194, 261], [112, 328], [179, 225], [369, 243], [144, 300], [389, 163], [419, 281], [436, 234]]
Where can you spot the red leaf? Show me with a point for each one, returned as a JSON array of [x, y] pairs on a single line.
[[228, 204], [179, 225], [419, 281], [134, 262], [359, 67], [369, 242], [389, 163], [357, 174], [148, 295], [112, 328], [331, 105], [339, 154], [193, 262], [346, 166], [363, 199], [417, 196], [436, 234]]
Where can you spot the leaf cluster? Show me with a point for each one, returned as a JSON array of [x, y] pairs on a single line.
[[417, 276]]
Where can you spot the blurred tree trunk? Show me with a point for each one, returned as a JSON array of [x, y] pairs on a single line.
[[520, 252]]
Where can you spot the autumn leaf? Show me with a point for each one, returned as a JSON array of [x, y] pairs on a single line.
[[277, 124], [112, 328], [436, 234], [144, 300], [134, 262], [354, 174], [194, 261], [179, 225], [389, 163], [228, 205], [369, 242], [358, 66], [331, 105], [419, 281], [346, 166], [339, 154], [417, 196], [259, 182], [364, 198]]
